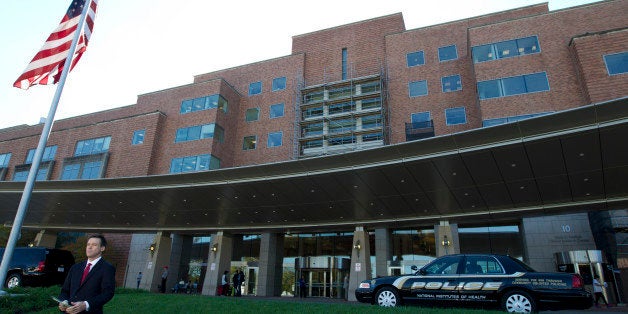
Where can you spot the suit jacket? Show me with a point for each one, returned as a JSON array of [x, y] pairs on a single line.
[[97, 289]]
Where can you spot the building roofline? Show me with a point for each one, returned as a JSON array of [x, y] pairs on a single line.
[[350, 24]]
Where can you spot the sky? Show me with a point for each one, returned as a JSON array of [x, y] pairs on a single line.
[[141, 46]]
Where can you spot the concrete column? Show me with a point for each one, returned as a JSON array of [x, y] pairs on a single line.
[[45, 239], [447, 240], [138, 260], [270, 265], [383, 251], [360, 268], [159, 257], [218, 260]]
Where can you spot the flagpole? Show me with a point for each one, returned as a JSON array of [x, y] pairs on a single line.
[[32, 174]]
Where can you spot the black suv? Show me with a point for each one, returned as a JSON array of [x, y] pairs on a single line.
[[37, 266]]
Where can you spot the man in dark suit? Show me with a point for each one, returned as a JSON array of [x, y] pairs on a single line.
[[89, 284]]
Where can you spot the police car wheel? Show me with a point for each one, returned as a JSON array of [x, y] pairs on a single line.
[[388, 297], [518, 302]]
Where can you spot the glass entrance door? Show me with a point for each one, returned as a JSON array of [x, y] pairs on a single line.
[[317, 283], [250, 281], [323, 276]]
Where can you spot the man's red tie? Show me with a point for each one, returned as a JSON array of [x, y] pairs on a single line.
[[85, 272]]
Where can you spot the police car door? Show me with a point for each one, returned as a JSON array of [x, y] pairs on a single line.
[[438, 280], [481, 277]]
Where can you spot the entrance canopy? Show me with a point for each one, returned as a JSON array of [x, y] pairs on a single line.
[[575, 160]]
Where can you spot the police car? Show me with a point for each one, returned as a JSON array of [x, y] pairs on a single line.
[[479, 280]]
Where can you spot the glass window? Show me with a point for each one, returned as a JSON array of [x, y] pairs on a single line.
[[372, 137], [415, 58], [313, 144], [340, 92], [22, 175], [91, 170], [279, 83], [194, 133], [342, 140], [497, 121], [204, 103], [417, 88], [252, 114], [249, 142], [313, 129], [489, 89], [83, 170], [516, 85], [255, 88], [194, 163], [447, 53], [4, 159], [371, 103], [70, 172], [370, 122], [616, 63], [313, 112], [527, 45], [483, 53], [49, 154], [444, 265], [370, 87], [506, 49], [341, 126], [313, 97], [482, 264], [92, 146], [341, 107], [536, 82], [276, 110], [513, 85], [138, 137], [455, 115], [451, 83], [275, 139], [420, 117]]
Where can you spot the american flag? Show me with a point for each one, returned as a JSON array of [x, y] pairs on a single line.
[[46, 66]]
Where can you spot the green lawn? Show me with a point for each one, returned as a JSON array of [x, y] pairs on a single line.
[[133, 301]]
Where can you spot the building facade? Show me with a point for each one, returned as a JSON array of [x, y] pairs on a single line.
[[364, 85]]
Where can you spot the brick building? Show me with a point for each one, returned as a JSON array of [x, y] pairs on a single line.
[[366, 85]]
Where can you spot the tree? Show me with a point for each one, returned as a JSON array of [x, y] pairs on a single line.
[[26, 236]]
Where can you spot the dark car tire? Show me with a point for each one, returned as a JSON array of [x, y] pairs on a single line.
[[387, 297], [518, 301], [13, 280]]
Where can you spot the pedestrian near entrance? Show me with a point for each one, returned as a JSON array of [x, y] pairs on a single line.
[[597, 291], [302, 288], [164, 278], [242, 281], [236, 283], [139, 279], [225, 283], [345, 287]]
